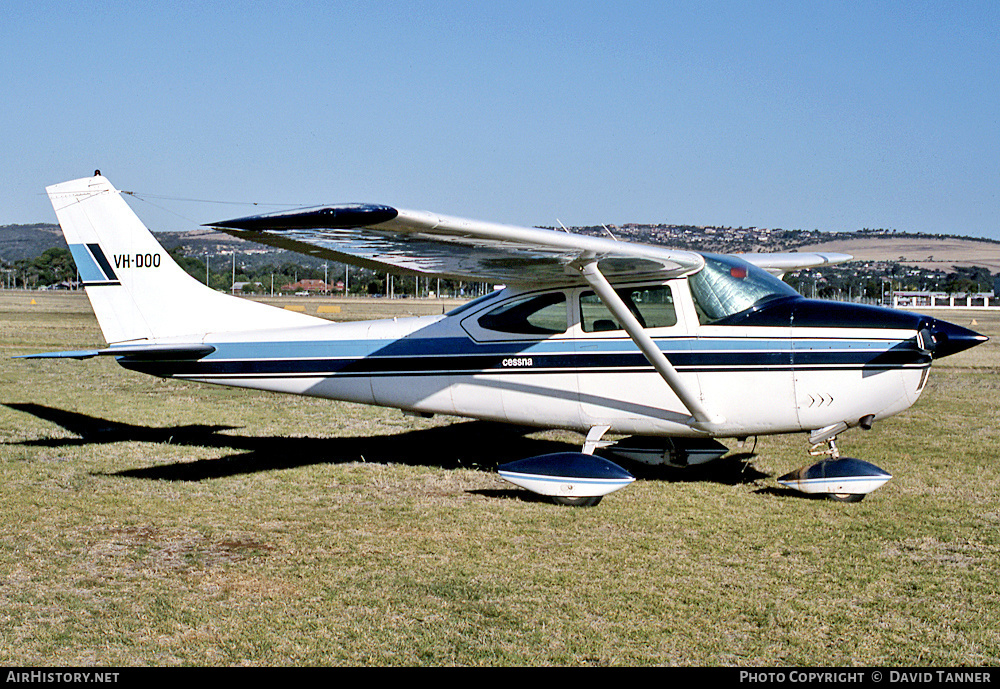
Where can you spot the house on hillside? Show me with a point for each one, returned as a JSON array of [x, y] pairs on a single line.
[[247, 287], [312, 286]]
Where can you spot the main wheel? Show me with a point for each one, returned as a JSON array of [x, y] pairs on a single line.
[[578, 502], [847, 497]]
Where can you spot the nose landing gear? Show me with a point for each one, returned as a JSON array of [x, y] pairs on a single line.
[[843, 479]]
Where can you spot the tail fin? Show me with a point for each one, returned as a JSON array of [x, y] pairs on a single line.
[[137, 291]]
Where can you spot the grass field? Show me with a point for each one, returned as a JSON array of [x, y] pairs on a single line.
[[150, 522]]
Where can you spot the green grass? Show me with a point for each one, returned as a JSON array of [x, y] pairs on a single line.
[[151, 522]]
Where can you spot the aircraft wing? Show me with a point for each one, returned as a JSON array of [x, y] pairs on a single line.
[[779, 264], [419, 242]]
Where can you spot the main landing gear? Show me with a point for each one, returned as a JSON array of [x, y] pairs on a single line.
[[579, 479]]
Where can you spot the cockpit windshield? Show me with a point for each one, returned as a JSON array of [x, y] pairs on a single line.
[[728, 285]]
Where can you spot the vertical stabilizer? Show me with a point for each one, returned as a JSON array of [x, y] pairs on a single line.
[[137, 291]]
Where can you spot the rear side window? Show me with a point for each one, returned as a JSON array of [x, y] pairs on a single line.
[[543, 314], [652, 306]]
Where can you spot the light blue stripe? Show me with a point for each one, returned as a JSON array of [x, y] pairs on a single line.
[[432, 346], [85, 263]]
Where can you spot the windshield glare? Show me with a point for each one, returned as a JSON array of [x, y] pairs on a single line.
[[728, 285]]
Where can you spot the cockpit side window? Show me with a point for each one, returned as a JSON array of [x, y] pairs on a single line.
[[543, 314], [652, 306], [729, 285]]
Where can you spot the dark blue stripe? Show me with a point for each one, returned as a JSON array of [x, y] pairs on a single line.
[[102, 261], [547, 363]]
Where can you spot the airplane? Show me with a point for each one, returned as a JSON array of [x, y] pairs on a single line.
[[671, 349]]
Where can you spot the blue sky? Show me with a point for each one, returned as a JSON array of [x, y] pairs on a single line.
[[825, 115]]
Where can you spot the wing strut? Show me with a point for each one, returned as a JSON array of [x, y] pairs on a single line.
[[702, 418]]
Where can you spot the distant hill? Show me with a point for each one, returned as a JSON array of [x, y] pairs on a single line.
[[928, 252], [205, 241], [932, 252], [19, 242], [27, 241]]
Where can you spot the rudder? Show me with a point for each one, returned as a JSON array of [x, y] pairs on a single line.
[[137, 291]]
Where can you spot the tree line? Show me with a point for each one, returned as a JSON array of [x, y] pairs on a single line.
[[847, 282], [55, 267]]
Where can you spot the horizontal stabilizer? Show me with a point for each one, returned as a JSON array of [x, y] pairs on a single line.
[[779, 264], [137, 351]]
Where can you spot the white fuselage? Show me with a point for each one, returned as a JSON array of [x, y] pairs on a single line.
[[759, 379]]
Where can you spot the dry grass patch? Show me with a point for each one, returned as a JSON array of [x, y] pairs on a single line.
[[152, 522]]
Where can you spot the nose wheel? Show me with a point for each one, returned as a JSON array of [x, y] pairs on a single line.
[[834, 454]]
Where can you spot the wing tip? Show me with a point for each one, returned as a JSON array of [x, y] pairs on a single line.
[[313, 218]]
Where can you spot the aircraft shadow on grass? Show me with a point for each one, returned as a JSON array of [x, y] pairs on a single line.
[[480, 445]]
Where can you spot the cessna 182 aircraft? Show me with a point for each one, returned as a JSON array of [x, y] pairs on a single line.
[[672, 348]]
